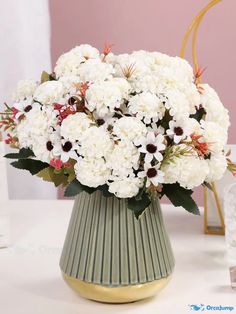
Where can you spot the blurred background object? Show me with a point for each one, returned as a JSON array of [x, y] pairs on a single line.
[[230, 230], [25, 51], [4, 213]]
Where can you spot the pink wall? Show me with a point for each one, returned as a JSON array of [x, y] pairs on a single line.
[[153, 25]]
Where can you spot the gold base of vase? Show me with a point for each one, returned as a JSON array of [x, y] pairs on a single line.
[[124, 294]]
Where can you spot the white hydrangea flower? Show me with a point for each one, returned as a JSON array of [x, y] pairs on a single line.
[[129, 66], [69, 63], [38, 123], [124, 86], [188, 170], [192, 95], [49, 92], [215, 135], [123, 158], [73, 126], [217, 167], [147, 106], [95, 142], [86, 51], [194, 126], [69, 82], [177, 104], [215, 111], [24, 89], [129, 128], [92, 172], [104, 97], [146, 83], [125, 187], [94, 71]]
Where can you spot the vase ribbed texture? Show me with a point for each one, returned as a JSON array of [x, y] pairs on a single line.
[[105, 244]]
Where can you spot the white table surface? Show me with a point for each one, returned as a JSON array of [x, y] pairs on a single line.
[[31, 283]]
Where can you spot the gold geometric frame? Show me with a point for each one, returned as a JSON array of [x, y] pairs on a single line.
[[193, 29]]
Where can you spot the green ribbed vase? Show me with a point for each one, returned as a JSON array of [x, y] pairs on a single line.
[[106, 246]]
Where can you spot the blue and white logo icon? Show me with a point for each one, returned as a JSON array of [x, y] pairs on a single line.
[[197, 307]]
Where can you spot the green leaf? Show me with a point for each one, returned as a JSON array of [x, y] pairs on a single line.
[[75, 187], [46, 77], [22, 154], [48, 174], [105, 191], [33, 166], [199, 114], [180, 197], [138, 205]]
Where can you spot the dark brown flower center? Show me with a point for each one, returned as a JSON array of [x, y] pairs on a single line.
[[178, 130], [100, 122], [151, 173], [71, 101], [49, 146], [67, 146], [151, 148], [28, 108]]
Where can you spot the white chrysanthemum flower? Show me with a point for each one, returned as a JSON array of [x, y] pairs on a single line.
[[188, 170], [123, 158], [49, 92], [66, 150], [125, 187], [147, 106], [215, 135], [45, 147], [22, 107], [24, 89], [152, 145], [217, 167], [178, 130], [215, 111], [129, 128], [95, 142], [69, 63], [152, 174], [38, 123], [104, 97], [92, 172], [73, 126], [94, 70]]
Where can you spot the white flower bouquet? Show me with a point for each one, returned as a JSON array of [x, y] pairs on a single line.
[[134, 125]]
